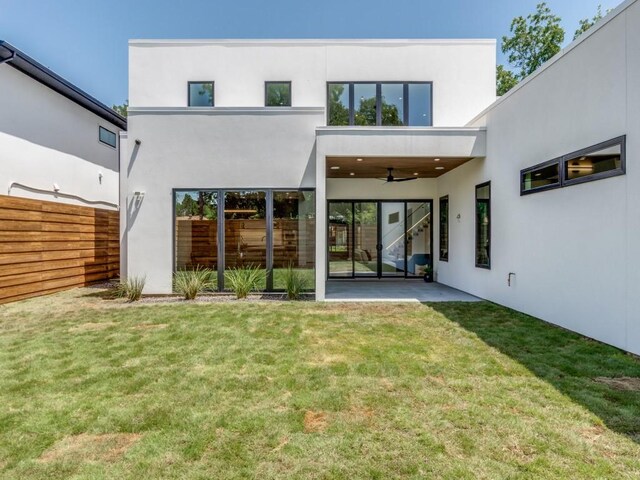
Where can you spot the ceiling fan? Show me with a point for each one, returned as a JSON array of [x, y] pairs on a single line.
[[390, 178]]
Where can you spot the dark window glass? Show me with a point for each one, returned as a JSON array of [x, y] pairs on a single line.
[[483, 225], [201, 94], [594, 163], [338, 104], [392, 104], [420, 105], [278, 94], [294, 233], [340, 239], [539, 178], [418, 238], [245, 230], [107, 137], [196, 230], [364, 98], [444, 229]]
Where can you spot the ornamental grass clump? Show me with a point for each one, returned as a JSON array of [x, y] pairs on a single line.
[[131, 288], [243, 280], [295, 282], [191, 283]]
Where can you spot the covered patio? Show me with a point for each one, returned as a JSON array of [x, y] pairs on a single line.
[[393, 290]]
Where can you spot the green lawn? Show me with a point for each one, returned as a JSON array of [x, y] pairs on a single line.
[[92, 388]]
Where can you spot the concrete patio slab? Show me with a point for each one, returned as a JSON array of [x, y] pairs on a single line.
[[393, 290]]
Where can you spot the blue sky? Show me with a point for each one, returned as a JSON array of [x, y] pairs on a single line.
[[85, 41]]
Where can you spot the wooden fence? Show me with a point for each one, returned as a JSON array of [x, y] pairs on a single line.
[[47, 247]]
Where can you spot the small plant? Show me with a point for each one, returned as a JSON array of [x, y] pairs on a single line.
[[131, 288], [190, 283], [244, 279], [295, 282]]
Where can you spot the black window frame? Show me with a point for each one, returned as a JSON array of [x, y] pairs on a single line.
[[115, 137], [266, 90], [213, 93], [378, 84], [565, 159], [442, 200], [486, 266], [523, 172], [622, 141]]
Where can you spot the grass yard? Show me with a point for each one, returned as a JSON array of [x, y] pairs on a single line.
[[92, 389]]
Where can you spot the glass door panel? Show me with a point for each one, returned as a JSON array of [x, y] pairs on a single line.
[[340, 239], [392, 239], [245, 230], [419, 219], [365, 252]]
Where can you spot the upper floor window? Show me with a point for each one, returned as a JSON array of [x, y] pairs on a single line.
[[377, 103], [201, 94], [107, 137], [277, 94]]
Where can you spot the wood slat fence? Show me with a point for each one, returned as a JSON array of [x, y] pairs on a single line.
[[46, 247]]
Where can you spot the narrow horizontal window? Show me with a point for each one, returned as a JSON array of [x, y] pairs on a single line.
[[600, 161], [540, 177], [107, 137], [201, 94], [277, 94]]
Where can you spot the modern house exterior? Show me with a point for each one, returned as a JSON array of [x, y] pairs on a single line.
[[368, 159], [59, 175]]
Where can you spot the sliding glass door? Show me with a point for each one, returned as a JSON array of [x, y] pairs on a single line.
[[378, 239]]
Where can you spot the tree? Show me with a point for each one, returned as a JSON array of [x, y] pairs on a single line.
[[586, 24], [121, 109], [506, 80], [535, 39]]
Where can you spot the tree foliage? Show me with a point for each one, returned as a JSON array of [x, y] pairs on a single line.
[[534, 40], [121, 109], [586, 23]]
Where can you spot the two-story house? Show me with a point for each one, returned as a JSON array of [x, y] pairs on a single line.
[[368, 159]]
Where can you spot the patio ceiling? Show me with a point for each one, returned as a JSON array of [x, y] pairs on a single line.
[[376, 167]]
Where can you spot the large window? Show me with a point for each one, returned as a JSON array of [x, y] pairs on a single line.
[[201, 94], [444, 229], [196, 230], [222, 229], [604, 160], [107, 137], [294, 233], [483, 225], [383, 104], [277, 94]]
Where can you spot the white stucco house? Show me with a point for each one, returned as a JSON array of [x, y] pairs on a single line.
[[290, 152], [57, 142]]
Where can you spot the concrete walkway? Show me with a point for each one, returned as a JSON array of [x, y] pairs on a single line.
[[393, 290]]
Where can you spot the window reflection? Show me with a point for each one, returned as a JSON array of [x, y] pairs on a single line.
[[392, 104], [364, 96]]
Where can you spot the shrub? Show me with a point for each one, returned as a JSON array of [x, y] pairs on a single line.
[[190, 283], [131, 288], [244, 279], [295, 282]]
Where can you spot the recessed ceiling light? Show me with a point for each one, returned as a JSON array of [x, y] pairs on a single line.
[[352, 174], [358, 159], [439, 168], [335, 168], [436, 159], [415, 173]]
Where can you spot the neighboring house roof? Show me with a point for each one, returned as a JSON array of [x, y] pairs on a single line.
[[27, 65]]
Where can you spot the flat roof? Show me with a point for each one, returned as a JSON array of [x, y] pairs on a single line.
[[27, 65], [316, 41]]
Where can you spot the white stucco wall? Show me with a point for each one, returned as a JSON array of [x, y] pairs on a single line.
[[214, 148], [574, 250], [46, 138], [462, 71]]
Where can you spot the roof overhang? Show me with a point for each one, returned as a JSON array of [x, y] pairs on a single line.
[[27, 65]]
